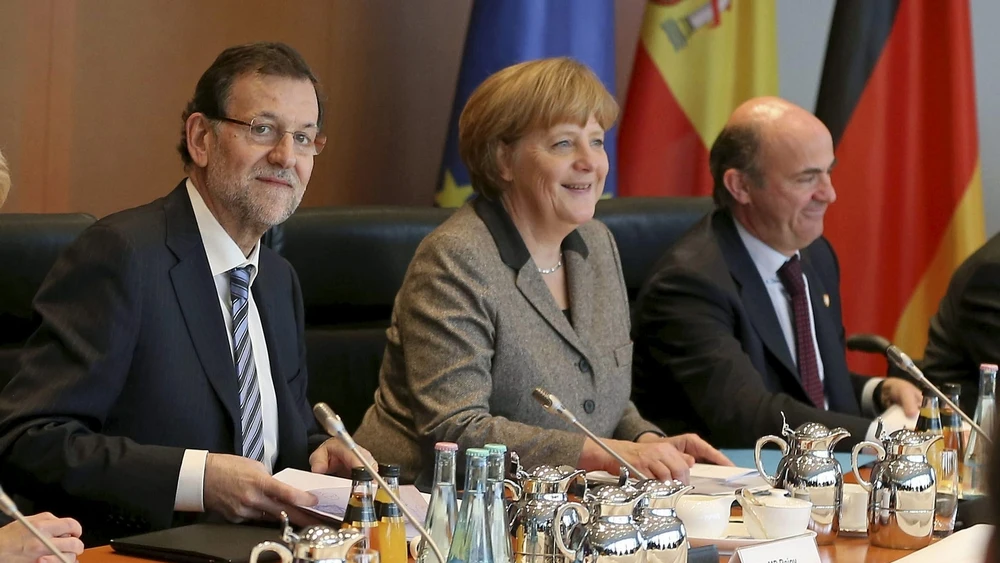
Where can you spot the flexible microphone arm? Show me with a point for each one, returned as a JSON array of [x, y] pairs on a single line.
[[331, 422], [8, 507], [904, 362], [553, 405]]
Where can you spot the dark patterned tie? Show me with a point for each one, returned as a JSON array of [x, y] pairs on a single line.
[[791, 277], [251, 418]]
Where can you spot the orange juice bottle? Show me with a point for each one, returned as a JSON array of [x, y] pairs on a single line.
[[390, 536], [360, 511]]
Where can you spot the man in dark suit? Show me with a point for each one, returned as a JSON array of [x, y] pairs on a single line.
[[964, 332], [168, 376], [741, 319]]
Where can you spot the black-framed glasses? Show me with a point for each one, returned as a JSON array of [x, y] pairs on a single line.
[[266, 133]]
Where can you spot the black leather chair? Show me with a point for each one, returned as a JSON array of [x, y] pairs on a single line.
[[29, 245], [351, 262]]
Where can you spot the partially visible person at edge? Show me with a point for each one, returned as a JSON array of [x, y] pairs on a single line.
[[17, 545], [521, 288]]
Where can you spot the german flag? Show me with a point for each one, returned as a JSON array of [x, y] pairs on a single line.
[[898, 95], [696, 61]]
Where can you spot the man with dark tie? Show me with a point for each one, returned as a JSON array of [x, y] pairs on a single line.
[[740, 320], [168, 376]]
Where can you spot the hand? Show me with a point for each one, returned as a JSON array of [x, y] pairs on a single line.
[[896, 391], [241, 489], [17, 545], [655, 456], [333, 457]]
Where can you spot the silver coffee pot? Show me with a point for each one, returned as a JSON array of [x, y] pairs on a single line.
[[809, 471], [666, 538], [610, 532], [901, 491], [533, 521], [315, 544]]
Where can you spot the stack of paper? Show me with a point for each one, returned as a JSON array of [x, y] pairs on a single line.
[[722, 480]]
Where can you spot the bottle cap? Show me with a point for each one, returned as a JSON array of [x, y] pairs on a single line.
[[951, 389], [477, 452], [360, 474], [496, 448], [388, 469], [446, 447], [988, 368]]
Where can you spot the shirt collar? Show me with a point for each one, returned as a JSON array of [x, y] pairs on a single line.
[[767, 259], [509, 242], [222, 251]]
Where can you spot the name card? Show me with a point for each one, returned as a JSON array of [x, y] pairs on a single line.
[[796, 549]]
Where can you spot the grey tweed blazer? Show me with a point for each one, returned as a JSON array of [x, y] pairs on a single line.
[[475, 329]]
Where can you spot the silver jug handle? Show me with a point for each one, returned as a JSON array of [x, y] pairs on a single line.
[[558, 527], [772, 480], [283, 552], [854, 461]]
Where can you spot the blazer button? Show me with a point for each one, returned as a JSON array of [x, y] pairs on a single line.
[[589, 406], [584, 365]]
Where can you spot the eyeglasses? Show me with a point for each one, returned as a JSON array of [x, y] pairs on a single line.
[[266, 133]]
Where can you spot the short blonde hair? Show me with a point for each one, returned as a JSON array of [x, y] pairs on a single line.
[[4, 179], [522, 98]]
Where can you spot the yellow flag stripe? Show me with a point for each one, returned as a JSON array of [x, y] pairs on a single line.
[[965, 234], [711, 69]]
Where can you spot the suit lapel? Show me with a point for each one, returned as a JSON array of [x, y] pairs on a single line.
[[580, 282], [840, 394], [198, 299], [753, 294], [533, 287]]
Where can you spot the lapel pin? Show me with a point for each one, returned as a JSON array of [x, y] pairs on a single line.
[[826, 299]]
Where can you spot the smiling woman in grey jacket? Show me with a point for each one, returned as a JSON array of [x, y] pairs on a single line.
[[518, 289]]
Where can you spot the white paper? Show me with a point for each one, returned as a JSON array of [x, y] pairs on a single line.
[[968, 545], [893, 418], [334, 492], [800, 549], [722, 472]]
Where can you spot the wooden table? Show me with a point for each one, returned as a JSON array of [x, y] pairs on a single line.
[[845, 550]]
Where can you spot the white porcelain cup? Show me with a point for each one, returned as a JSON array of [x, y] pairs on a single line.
[[705, 516], [854, 509], [776, 517]]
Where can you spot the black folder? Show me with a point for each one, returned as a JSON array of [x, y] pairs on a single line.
[[200, 543]]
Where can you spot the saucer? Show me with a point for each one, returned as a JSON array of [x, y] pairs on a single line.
[[736, 536]]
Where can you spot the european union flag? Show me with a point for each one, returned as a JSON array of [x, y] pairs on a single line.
[[506, 32]]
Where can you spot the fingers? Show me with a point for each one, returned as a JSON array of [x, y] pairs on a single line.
[[68, 545], [58, 527], [701, 450], [279, 492], [319, 461]]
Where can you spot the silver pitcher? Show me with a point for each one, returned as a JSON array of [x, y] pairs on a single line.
[[809, 471], [315, 544], [901, 491], [533, 522], [610, 533], [666, 538]]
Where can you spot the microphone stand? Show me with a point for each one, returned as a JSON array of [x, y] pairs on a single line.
[[553, 405], [904, 362], [8, 507], [334, 426]]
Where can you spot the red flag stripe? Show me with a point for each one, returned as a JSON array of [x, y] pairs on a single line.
[[659, 151]]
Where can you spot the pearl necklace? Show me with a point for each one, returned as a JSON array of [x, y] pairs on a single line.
[[553, 269]]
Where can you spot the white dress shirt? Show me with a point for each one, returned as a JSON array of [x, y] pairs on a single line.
[[768, 261], [223, 255]]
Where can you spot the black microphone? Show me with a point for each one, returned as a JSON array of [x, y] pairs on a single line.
[[334, 426], [8, 507], [904, 363], [552, 404]]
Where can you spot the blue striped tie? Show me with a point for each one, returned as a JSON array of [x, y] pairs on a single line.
[[251, 419]]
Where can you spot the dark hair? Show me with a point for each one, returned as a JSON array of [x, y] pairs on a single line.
[[211, 95], [737, 146]]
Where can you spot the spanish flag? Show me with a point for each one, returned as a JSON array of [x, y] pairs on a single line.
[[696, 61], [899, 98], [505, 32]]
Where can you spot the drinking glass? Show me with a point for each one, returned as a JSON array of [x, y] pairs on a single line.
[[946, 497]]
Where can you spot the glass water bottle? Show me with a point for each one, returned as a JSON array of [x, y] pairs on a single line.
[[977, 454], [496, 508], [442, 510], [471, 543]]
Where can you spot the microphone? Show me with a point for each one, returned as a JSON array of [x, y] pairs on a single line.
[[8, 507], [904, 363], [553, 405], [334, 426]]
